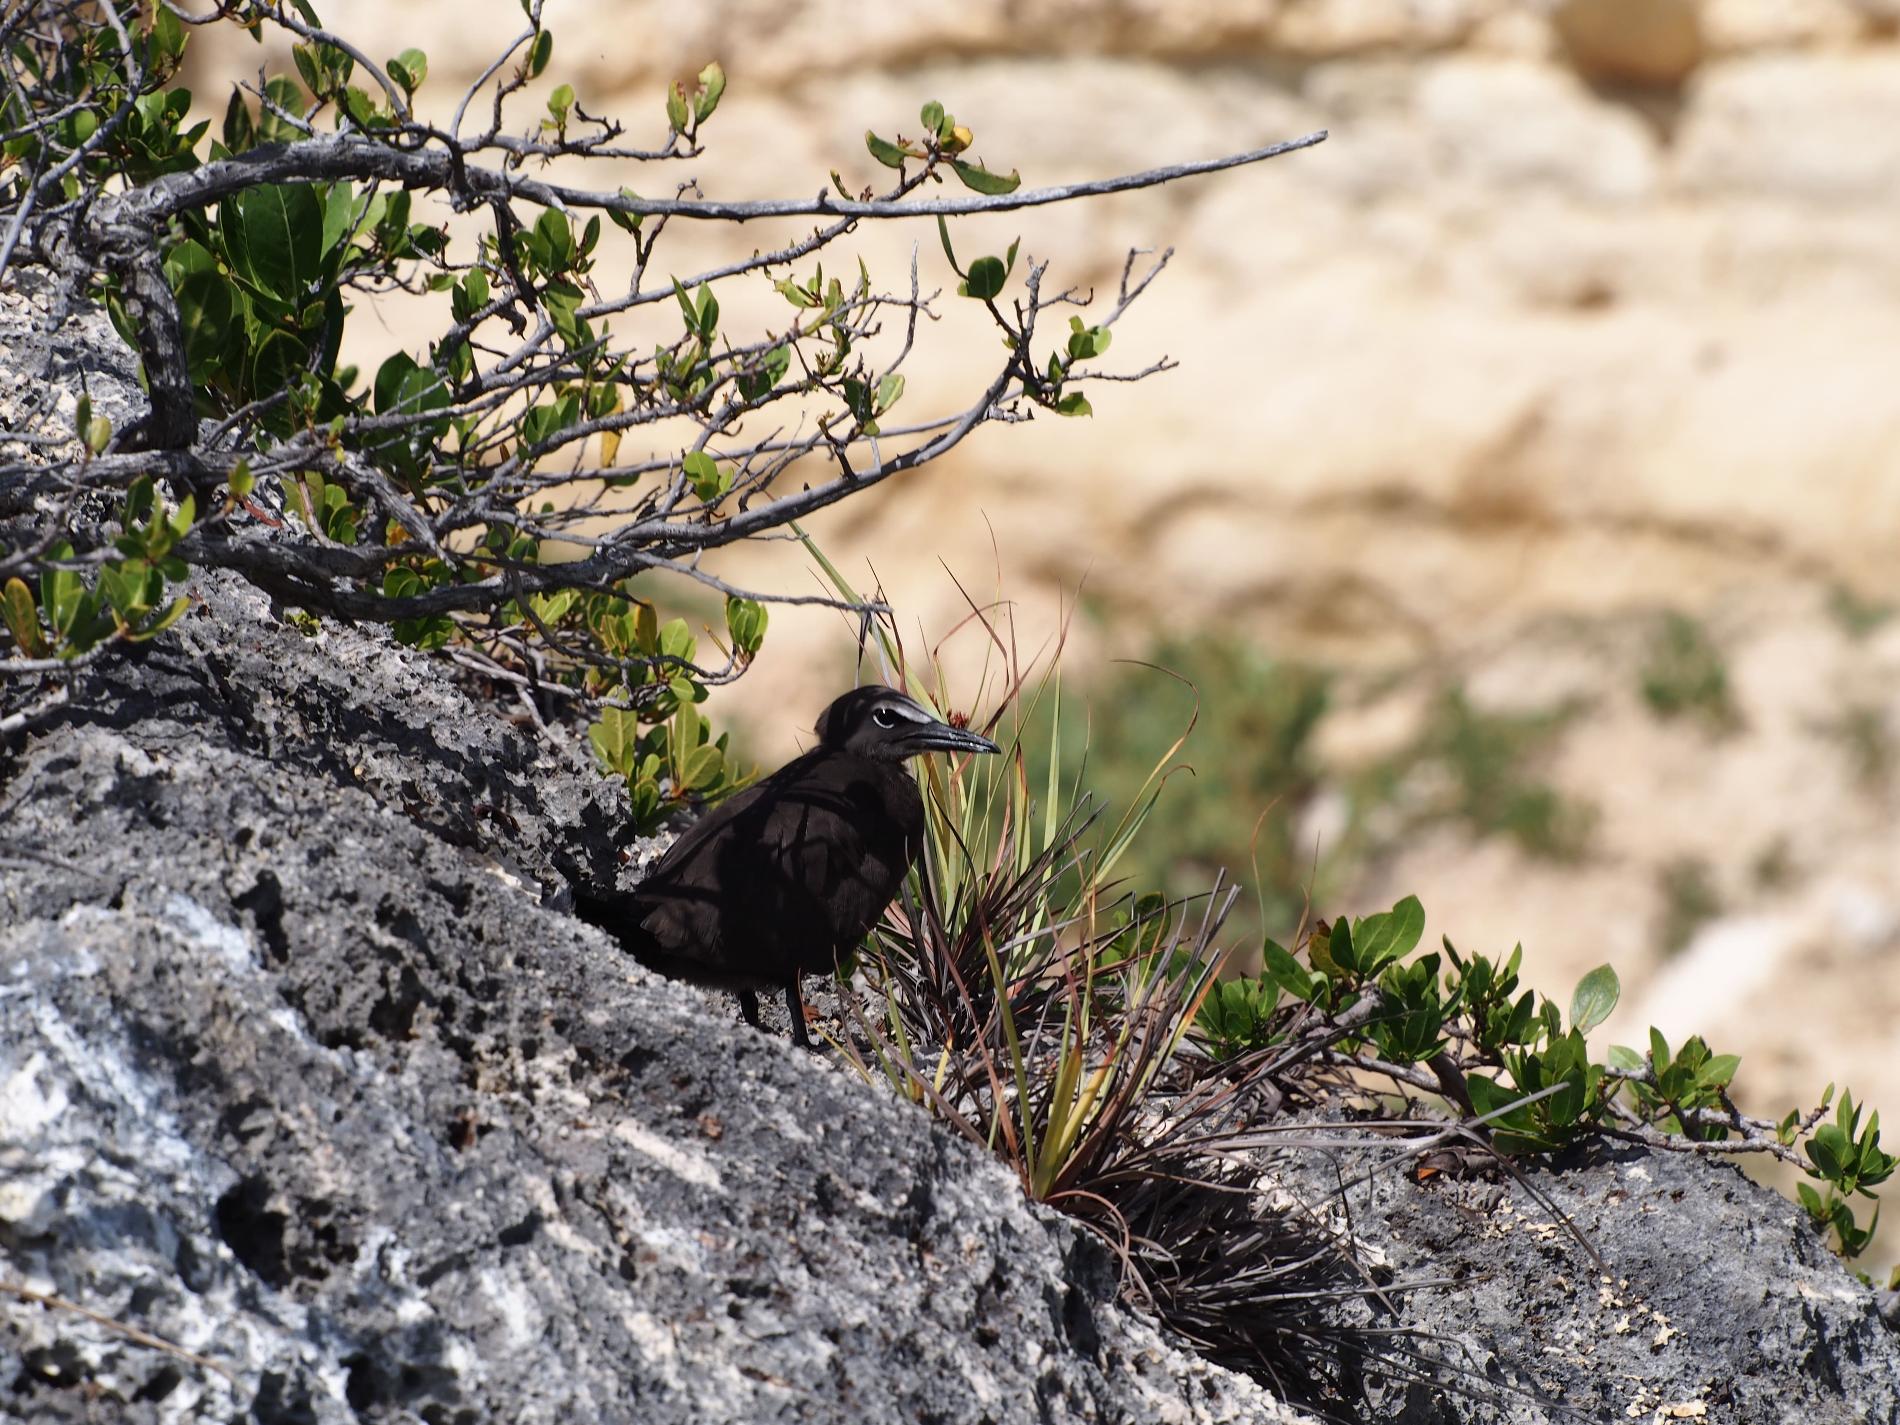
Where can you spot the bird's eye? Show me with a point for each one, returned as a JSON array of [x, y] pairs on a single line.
[[884, 717]]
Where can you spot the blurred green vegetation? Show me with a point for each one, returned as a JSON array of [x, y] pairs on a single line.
[[1685, 674], [1246, 772], [1491, 782], [1253, 795]]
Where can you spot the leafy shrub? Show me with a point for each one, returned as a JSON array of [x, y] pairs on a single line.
[[537, 482]]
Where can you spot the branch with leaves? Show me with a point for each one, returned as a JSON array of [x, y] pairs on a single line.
[[520, 483]]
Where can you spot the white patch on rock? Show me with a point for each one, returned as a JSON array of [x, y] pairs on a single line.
[[27, 1105], [231, 945], [682, 1162], [520, 1316]]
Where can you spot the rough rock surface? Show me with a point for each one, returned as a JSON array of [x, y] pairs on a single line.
[[299, 1077], [1710, 1297]]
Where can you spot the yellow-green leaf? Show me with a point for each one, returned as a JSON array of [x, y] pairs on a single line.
[[712, 84], [884, 151], [976, 176], [616, 738], [22, 618]]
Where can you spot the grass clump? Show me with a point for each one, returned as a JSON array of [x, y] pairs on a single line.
[[1684, 675], [1490, 783], [1690, 900]]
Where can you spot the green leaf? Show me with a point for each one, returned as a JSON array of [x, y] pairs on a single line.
[[626, 222], [403, 387], [206, 320], [1287, 972], [689, 312], [1621, 1056], [182, 517], [712, 85], [890, 391], [125, 588], [240, 133], [339, 207], [616, 740], [986, 278], [557, 238], [276, 362], [1087, 341], [745, 621], [676, 640], [1659, 1055], [932, 116], [1596, 996], [539, 51], [943, 233], [364, 111], [708, 480], [757, 384], [884, 151], [22, 618], [409, 69], [676, 106], [1389, 936], [701, 767], [283, 93], [274, 236], [305, 58], [1074, 404], [1826, 1148], [975, 176], [60, 590]]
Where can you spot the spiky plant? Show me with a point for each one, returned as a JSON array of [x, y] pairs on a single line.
[[1048, 1012]]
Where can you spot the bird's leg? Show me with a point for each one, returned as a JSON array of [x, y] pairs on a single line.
[[749, 1007], [795, 1006]]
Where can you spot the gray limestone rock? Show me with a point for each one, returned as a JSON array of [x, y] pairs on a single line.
[[298, 1073]]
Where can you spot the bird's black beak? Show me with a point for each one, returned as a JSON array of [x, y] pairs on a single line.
[[941, 737]]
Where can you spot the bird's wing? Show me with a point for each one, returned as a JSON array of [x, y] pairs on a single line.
[[687, 845], [776, 879], [838, 852], [694, 914]]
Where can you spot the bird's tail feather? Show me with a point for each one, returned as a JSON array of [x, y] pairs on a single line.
[[621, 915]]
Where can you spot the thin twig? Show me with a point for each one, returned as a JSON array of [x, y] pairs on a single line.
[[131, 1333]]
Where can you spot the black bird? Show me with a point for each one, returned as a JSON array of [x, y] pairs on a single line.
[[775, 882]]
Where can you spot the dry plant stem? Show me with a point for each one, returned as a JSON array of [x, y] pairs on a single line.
[[351, 156], [1330, 1031], [27, 716], [131, 1333]]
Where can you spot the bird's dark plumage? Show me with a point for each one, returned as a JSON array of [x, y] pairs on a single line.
[[776, 881]]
